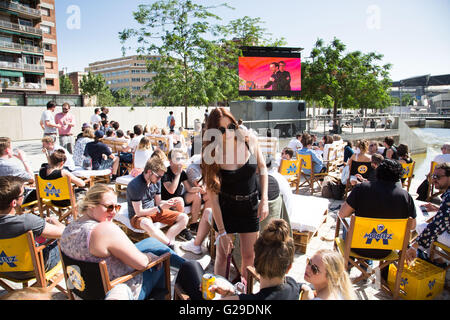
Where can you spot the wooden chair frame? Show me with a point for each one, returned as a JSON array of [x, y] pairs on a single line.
[[430, 193], [312, 177], [108, 284], [409, 174], [441, 250], [45, 205], [359, 261], [48, 280]]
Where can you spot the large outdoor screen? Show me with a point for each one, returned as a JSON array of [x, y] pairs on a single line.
[[272, 75]]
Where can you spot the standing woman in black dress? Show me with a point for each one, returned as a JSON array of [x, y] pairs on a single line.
[[230, 158]]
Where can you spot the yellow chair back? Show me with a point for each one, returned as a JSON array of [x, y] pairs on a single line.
[[370, 233], [408, 169], [59, 189], [305, 161], [289, 167], [15, 255]]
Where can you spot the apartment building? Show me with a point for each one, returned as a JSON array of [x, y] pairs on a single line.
[[28, 47], [125, 72]]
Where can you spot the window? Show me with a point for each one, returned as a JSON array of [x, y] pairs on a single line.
[[50, 82], [24, 22], [45, 12], [48, 47], [48, 65], [46, 29]]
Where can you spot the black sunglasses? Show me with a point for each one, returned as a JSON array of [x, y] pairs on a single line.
[[231, 126], [315, 269], [111, 207]]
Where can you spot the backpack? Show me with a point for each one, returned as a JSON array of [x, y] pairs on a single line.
[[172, 122], [332, 188]]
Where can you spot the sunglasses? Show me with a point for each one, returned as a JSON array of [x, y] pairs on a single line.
[[111, 207], [315, 269], [157, 175], [231, 126]]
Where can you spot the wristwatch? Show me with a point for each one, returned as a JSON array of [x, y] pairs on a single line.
[[159, 209]]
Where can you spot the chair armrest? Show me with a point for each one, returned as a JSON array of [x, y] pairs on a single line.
[[161, 259], [251, 276]]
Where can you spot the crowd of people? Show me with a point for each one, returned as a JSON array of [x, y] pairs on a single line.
[[239, 198]]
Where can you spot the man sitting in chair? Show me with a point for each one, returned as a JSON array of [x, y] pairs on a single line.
[[145, 206], [382, 199], [12, 225], [440, 222]]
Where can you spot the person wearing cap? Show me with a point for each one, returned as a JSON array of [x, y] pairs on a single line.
[[83, 127], [101, 155]]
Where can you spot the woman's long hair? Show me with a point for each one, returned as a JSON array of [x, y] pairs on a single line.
[[210, 172], [338, 278]]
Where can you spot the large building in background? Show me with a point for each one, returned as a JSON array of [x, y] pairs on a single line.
[[125, 72], [28, 47]]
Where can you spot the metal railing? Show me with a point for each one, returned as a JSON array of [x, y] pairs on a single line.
[[25, 86], [21, 28], [20, 8], [20, 47], [324, 125], [22, 66]]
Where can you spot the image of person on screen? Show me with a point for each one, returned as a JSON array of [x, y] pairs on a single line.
[[284, 77], [273, 81]]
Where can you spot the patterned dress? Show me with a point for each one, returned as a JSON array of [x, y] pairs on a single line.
[[438, 225]]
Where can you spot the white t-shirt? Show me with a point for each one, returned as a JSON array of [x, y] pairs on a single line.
[[141, 157], [294, 144], [134, 143], [95, 118], [48, 115], [442, 158]]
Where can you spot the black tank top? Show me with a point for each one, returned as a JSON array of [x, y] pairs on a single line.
[[241, 181]]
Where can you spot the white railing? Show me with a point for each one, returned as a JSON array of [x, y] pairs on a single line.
[[21, 47], [25, 86], [18, 27], [22, 66], [20, 8]]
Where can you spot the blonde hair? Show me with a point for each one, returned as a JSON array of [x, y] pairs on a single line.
[[93, 197], [89, 133], [155, 164], [48, 139], [144, 144], [338, 278], [29, 293], [363, 145]]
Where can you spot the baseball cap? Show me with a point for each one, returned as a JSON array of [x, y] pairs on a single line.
[[86, 125], [99, 134]]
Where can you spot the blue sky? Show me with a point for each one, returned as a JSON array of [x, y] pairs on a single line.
[[413, 35]]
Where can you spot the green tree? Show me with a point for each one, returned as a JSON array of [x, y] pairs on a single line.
[[336, 79], [65, 85], [183, 27], [95, 85], [122, 97]]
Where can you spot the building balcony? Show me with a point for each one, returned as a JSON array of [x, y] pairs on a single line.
[[23, 86], [19, 28], [20, 9], [39, 68], [4, 45]]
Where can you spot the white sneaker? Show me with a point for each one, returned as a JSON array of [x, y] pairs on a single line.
[[191, 247], [204, 261]]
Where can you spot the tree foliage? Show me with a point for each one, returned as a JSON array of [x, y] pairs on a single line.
[[335, 78], [65, 85]]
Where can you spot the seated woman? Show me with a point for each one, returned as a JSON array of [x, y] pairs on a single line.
[[95, 237], [54, 170], [141, 155], [78, 152], [274, 255], [327, 142], [327, 273], [403, 156], [362, 156]]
